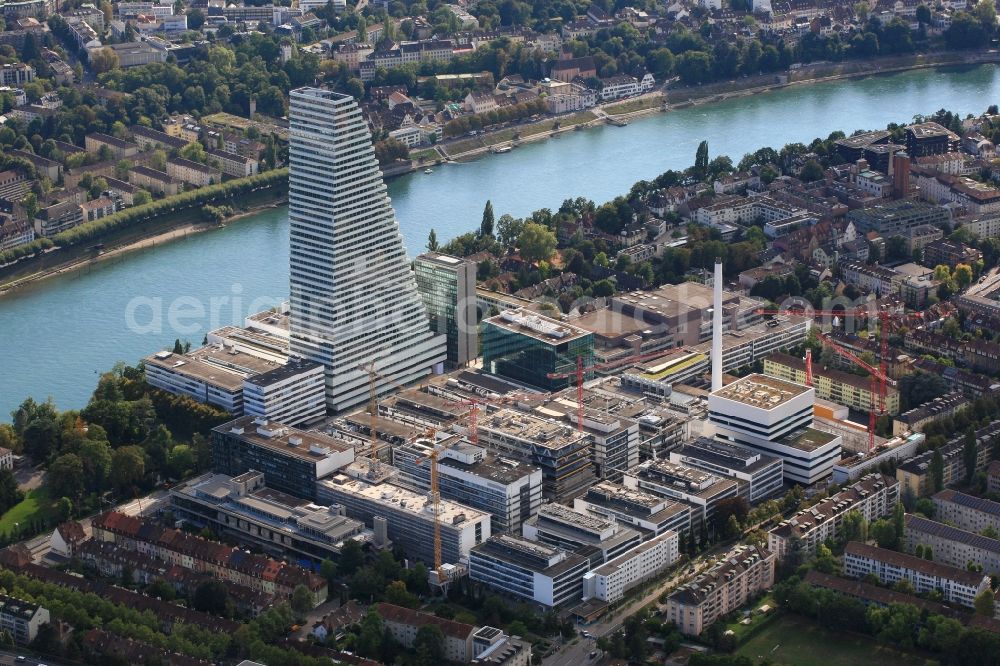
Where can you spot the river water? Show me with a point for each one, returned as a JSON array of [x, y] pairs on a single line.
[[58, 334]]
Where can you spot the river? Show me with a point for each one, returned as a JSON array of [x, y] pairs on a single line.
[[58, 334]]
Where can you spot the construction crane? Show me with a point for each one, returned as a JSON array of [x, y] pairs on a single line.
[[474, 405], [435, 498], [879, 380], [578, 373]]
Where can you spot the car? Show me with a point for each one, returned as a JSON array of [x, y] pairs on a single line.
[[592, 654], [20, 657]]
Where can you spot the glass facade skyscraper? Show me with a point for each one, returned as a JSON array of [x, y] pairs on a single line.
[[354, 300], [448, 287]]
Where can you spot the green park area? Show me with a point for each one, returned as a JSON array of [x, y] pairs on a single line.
[[799, 641], [34, 507]]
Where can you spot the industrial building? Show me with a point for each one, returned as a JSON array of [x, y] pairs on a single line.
[[700, 490], [760, 476], [529, 570], [774, 417], [509, 490], [290, 459]]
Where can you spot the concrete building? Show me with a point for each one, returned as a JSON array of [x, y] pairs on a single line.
[[843, 388], [600, 539], [913, 420], [378, 320], [562, 453], [21, 618], [745, 572], [231, 164], [957, 585], [135, 54], [614, 440], [529, 570], [700, 490], [492, 647], [409, 516], [873, 496], [448, 287], [993, 477], [154, 181], [207, 375], [896, 218], [119, 148], [651, 514], [245, 509], [951, 545], [293, 393], [510, 491], [760, 476], [968, 512], [914, 475], [148, 138], [774, 417], [527, 347], [610, 581], [404, 624], [292, 460], [193, 173]]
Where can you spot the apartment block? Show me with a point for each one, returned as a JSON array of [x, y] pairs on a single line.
[[529, 570], [21, 618], [610, 581], [957, 585], [193, 173], [951, 545], [232, 164], [743, 573], [874, 496], [843, 388], [914, 474], [404, 624], [119, 148], [966, 511]]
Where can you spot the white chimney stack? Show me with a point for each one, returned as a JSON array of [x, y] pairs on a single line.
[[717, 328]]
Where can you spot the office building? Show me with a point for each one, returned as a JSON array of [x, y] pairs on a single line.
[[527, 347], [951, 545], [896, 218], [700, 490], [509, 490], [930, 139], [448, 286], [956, 585], [354, 301], [290, 459], [529, 570], [405, 623], [600, 539], [610, 581], [873, 497], [745, 572], [409, 516], [292, 393], [245, 509], [760, 475], [651, 514], [774, 417], [562, 453], [614, 440], [21, 618], [966, 511]]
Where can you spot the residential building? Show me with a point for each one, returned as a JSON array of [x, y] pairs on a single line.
[[616, 87], [510, 491], [232, 164], [153, 181], [610, 581], [244, 509], [16, 74], [956, 585], [378, 320], [404, 624], [58, 217], [993, 477], [97, 208], [147, 138], [950, 253], [119, 148], [896, 218], [66, 539], [651, 514], [745, 572], [839, 386], [774, 417], [975, 514], [494, 648], [193, 173], [913, 420], [21, 618], [951, 545], [700, 490], [914, 474], [292, 460], [529, 570], [448, 287], [528, 347], [929, 139], [874, 496], [760, 476], [409, 516], [600, 539], [560, 451], [14, 232]]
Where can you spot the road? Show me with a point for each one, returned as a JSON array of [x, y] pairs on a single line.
[[10, 658], [987, 283]]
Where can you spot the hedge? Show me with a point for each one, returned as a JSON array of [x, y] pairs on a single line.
[[89, 231], [24, 250]]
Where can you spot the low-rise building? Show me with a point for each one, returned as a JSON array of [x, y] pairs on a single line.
[[529, 570], [872, 497], [153, 181], [232, 164], [975, 514], [97, 208], [193, 173], [913, 420], [610, 581], [952, 545], [993, 477], [957, 585], [744, 572], [136, 54], [118, 149], [915, 477], [21, 618], [404, 624]]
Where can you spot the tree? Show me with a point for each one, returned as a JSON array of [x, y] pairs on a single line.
[[302, 600], [732, 528], [66, 476], [923, 14], [196, 19], [700, 170], [854, 527], [128, 467], [969, 454], [486, 226], [985, 603], [103, 60], [536, 243], [10, 494], [429, 645], [963, 275], [194, 151], [212, 596], [884, 533], [509, 229], [178, 346], [396, 593], [811, 172], [937, 470], [141, 197], [351, 558], [432, 241]]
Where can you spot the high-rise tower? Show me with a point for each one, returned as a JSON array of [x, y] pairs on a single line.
[[354, 300]]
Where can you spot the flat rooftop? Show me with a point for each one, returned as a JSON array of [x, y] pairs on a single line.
[[538, 431], [308, 445], [807, 439], [761, 391], [402, 499], [536, 326], [226, 368]]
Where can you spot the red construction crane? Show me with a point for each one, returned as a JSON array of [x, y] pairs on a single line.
[[474, 403], [879, 380]]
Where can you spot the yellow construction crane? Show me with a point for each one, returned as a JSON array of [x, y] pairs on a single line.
[[435, 502]]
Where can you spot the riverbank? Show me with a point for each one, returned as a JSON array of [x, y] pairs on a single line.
[[155, 234]]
